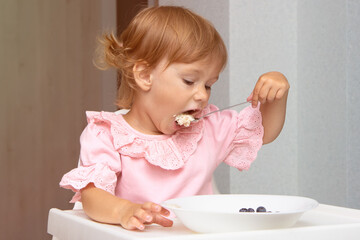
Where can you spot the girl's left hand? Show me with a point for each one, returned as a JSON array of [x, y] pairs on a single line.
[[271, 86]]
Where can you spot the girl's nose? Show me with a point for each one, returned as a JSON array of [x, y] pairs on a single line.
[[201, 94]]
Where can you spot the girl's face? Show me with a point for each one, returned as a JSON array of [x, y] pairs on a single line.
[[175, 89]]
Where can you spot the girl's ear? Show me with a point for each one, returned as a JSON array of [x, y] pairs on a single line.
[[142, 76]]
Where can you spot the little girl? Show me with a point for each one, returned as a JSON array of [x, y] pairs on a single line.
[[169, 58]]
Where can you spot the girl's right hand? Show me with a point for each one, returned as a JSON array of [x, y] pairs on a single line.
[[135, 216]]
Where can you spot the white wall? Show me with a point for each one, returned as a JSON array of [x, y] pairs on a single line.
[[329, 100], [353, 104], [316, 45]]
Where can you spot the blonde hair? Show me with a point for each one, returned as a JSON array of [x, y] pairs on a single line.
[[170, 32]]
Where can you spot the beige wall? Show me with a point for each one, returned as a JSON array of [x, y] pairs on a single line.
[[47, 81]]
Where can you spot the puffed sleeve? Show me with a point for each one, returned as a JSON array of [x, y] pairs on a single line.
[[99, 161], [247, 140], [238, 135]]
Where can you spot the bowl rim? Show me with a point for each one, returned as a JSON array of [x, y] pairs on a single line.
[[313, 204]]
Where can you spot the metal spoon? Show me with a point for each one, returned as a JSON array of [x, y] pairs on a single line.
[[205, 115]]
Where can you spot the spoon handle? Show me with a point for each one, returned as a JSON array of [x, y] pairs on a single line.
[[222, 109]]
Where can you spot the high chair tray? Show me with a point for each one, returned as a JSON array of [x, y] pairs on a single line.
[[324, 222]]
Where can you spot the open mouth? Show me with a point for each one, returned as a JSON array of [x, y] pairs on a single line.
[[190, 112], [185, 118]]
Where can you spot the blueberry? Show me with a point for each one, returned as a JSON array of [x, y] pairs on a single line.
[[243, 210], [251, 210], [261, 209]]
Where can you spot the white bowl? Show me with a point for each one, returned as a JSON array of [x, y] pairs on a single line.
[[220, 213]]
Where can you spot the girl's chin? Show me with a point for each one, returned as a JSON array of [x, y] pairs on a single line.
[[171, 129], [177, 126]]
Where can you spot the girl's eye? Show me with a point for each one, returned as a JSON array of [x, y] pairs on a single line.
[[188, 82], [208, 87]]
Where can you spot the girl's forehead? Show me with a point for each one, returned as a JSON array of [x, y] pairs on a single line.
[[209, 70], [209, 63]]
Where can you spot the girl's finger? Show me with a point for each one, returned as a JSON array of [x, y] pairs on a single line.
[[164, 212], [249, 98], [156, 208], [143, 215], [134, 223], [280, 94], [264, 91], [255, 93], [153, 207], [271, 95], [162, 221]]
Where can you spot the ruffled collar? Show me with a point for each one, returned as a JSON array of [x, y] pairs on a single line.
[[169, 152]]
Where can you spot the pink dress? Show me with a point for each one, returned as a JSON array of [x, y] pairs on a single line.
[[142, 168]]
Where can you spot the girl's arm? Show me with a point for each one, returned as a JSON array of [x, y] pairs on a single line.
[[104, 207], [271, 90]]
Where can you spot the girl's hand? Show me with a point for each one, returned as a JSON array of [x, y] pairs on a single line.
[[271, 86], [135, 216]]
